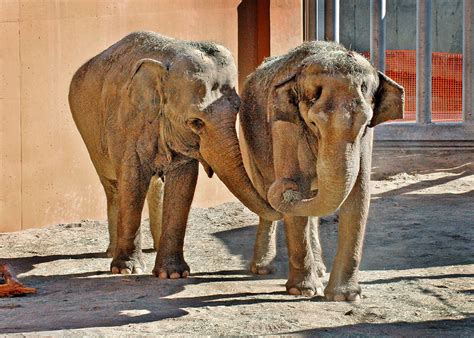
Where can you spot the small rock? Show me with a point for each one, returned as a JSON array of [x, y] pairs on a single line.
[[73, 225], [442, 286]]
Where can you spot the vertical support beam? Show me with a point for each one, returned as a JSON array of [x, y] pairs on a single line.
[[423, 61], [467, 60], [320, 20], [335, 19], [377, 33], [310, 12], [253, 36], [331, 20], [314, 20]]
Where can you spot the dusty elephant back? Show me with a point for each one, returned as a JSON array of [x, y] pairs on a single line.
[[277, 68], [106, 74], [99, 87], [258, 85], [112, 67]]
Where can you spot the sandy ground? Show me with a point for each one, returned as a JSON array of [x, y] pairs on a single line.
[[417, 271]]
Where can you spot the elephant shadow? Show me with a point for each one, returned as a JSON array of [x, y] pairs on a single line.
[[96, 299], [240, 242], [403, 231]]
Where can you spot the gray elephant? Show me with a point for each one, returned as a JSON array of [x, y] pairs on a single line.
[[153, 107], [307, 121]]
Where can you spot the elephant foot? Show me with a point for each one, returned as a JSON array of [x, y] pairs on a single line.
[[320, 269], [282, 193], [262, 268], [172, 267], [346, 292], [110, 251], [304, 283], [127, 265]]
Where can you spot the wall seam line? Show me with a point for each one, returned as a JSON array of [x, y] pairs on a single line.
[[21, 115]]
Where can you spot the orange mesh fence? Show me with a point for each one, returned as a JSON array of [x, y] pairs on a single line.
[[446, 90]]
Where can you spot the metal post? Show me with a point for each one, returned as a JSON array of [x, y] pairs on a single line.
[[331, 20], [335, 20], [423, 61], [310, 18], [467, 60], [377, 33], [320, 20]]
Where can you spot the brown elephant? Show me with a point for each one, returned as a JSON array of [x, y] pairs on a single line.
[[307, 121], [151, 107]]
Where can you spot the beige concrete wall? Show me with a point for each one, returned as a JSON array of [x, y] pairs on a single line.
[[46, 176], [10, 123], [286, 25]]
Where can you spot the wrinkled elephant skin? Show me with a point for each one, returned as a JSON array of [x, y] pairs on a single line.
[[307, 121], [152, 107]]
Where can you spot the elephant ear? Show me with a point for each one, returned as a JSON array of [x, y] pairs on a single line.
[[145, 86], [389, 101], [283, 104]]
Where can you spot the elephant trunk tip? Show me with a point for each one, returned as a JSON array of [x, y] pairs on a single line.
[[290, 196]]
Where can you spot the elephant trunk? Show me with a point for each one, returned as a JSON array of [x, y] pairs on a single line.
[[336, 178], [220, 149]]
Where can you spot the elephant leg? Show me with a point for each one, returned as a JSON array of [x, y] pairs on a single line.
[[179, 191], [316, 245], [110, 187], [265, 248], [132, 188], [303, 278], [343, 282], [155, 208]]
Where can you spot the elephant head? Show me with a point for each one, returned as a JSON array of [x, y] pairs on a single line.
[[335, 96], [194, 96]]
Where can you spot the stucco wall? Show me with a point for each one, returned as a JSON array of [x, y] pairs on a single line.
[[286, 28], [46, 176]]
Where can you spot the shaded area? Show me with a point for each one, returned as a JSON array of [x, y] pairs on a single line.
[[120, 300], [25, 264], [455, 327], [390, 162], [406, 229], [424, 185], [133, 300], [416, 278], [399, 235], [240, 242]]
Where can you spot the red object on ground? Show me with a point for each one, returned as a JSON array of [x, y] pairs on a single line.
[[12, 287]]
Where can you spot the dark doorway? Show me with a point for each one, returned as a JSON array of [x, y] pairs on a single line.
[[254, 36]]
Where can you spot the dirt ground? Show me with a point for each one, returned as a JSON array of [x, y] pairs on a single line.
[[417, 271]]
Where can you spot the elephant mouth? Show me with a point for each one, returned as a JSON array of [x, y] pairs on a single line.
[[207, 168]]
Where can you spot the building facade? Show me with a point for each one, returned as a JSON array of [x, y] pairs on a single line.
[[46, 176]]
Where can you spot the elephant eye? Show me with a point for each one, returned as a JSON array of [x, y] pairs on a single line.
[[196, 125], [363, 88], [215, 86], [317, 95]]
